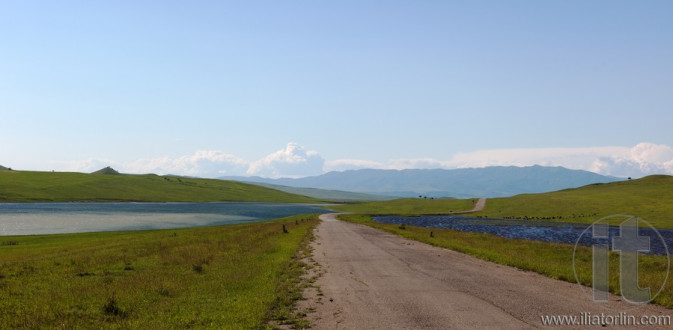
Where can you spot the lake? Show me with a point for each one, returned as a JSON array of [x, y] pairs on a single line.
[[53, 218], [546, 231]]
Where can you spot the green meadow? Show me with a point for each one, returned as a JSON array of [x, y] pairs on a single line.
[[227, 277], [650, 198], [25, 186]]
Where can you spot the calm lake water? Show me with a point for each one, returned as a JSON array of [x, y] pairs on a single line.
[[53, 218], [545, 231]]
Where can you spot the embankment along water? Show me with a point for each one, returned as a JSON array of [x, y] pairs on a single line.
[[661, 240]]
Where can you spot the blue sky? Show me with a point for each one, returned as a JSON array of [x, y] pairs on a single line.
[[292, 88]]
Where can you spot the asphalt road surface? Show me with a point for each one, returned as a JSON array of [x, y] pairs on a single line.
[[376, 280]]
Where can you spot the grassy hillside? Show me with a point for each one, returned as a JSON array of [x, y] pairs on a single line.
[[228, 277], [23, 186], [650, 198]]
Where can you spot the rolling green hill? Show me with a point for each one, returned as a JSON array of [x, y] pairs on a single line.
[[650, 198], [25, 186]]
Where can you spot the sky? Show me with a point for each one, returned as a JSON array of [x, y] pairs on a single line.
[[297, 88]]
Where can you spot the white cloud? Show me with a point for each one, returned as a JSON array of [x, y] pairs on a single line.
[[393, 164], [351, 164], [420, 163], [202, 163], [84, 165], [578, 158], [293, 161], [296, 161], [640, 160]]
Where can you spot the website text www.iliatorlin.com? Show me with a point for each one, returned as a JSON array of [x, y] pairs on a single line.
[[602, 319]]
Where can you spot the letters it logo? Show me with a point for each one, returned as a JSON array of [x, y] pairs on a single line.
[[631, 238]]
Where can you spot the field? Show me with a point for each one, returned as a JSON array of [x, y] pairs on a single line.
[[238, 276], [549, 259], [650, 198], [23, 186]]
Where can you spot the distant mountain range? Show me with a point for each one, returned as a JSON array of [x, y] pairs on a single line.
[[495, 181], [2, 168], [326, 194]]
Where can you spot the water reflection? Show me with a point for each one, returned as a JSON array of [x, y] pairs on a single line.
[[52, 218]]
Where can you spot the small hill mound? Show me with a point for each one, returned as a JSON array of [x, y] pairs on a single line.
[[107, 171]]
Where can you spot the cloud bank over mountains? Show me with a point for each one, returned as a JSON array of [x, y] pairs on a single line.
[[640, 160], [296, 161], [292, 161]]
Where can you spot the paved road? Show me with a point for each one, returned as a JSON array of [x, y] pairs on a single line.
[[376, 280]]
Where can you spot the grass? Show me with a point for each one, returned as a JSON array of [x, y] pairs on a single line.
[[291, 287], [650, 198], [236, 277], [409, 206], [554, 260], [25, 186]]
